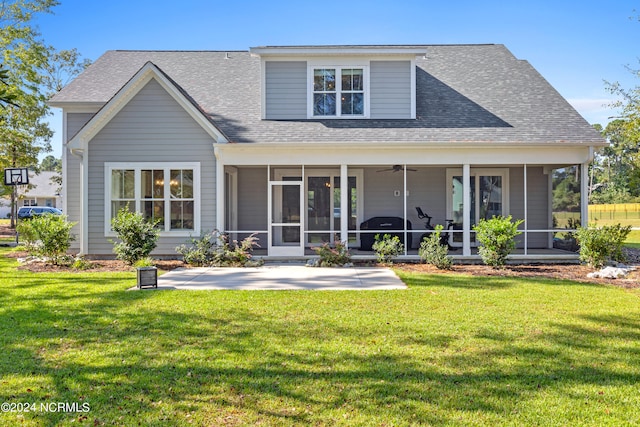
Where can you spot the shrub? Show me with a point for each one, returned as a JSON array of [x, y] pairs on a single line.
[[138, 237], [215, 249], [387, 248], [496, 235], [335, 256], [601, 245], [80, 263], [433, 252], [201, 251], [48, 236], [234, 253], [144, 262], [27, 236]]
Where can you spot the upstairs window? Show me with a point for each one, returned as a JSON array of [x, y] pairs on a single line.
[[338, 92]]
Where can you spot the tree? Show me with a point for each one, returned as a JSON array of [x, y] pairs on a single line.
[[51, 164], [32, 72], [615, 174], [6, 97], [624, 135]]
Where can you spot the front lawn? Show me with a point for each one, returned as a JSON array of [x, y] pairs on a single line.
[[450, 350]]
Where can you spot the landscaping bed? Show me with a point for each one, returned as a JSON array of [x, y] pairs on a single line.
[[543, 271]]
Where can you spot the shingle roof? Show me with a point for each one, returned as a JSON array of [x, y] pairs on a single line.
[[465, 93]]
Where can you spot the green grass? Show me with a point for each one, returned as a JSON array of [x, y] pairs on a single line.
[[450, 350]]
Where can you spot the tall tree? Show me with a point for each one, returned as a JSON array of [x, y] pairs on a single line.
[[624, 136], [51, 164], [34, 71]]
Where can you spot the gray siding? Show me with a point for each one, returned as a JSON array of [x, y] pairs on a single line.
[[152, 127], [390, 89], [72, 177], [252, 199], [286, 90]]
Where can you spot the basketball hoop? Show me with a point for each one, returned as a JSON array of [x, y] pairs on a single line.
[[16, 176]]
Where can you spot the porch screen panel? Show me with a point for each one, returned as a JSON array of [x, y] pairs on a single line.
[[319, 208]]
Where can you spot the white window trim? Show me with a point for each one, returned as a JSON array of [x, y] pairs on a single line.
[[138, 167], [339, 66]]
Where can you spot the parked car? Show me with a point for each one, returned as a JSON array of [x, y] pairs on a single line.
[[26, 212]]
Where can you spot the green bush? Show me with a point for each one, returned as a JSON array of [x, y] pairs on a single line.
[[144, 262], [335, 256], [80, 263], [138, 237], [387, 247], [201, 250], [48, 236], [215, 249], [434, 253], [601, 245], [496, 235], [27, 236]]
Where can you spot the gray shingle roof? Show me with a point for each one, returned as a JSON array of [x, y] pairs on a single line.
[[465, 93]]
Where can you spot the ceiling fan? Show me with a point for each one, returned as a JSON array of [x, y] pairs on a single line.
[[396, 168]]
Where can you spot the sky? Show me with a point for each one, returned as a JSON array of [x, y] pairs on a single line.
[[576, 46]]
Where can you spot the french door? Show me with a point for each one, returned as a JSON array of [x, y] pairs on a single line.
[[489, 190]]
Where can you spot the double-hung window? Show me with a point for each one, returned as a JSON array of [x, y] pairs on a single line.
[[162, 192], [338, 91]]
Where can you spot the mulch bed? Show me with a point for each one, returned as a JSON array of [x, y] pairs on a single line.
[[573, 272], [547, 271]]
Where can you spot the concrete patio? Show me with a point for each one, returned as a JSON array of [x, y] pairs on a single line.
[[281, 277]]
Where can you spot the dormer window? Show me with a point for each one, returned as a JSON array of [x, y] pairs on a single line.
[[339, 91]]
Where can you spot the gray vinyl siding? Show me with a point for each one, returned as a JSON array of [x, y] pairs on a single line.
[[390, 89], [72, 177], [537, 203], [152, 127], [286, 90], [252, 199]]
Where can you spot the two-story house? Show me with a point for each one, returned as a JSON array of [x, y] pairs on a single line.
[[305, 144]]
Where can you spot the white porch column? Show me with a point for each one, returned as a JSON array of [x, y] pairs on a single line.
[[584, 194], [220, 196], [526, 219], [344, 204], [466, 210], [404, 207]]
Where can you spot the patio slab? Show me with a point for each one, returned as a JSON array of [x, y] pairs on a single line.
[[281, 277]]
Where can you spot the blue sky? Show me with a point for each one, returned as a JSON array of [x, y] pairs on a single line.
[[574, 45]]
